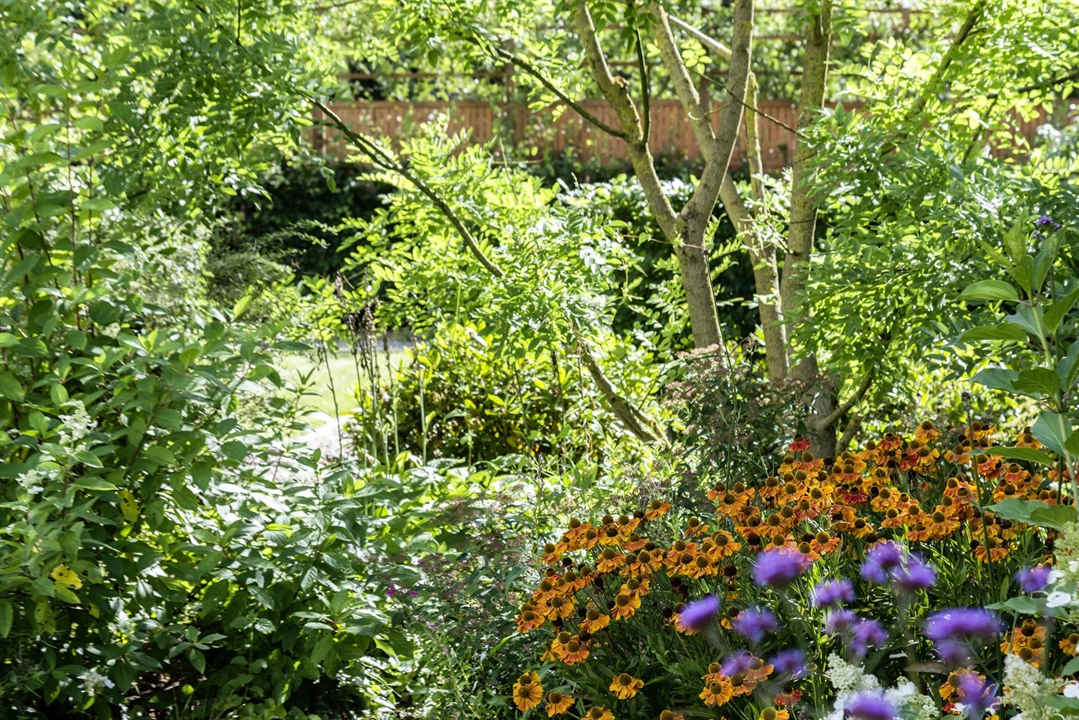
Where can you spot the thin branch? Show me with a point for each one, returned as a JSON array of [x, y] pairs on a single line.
[[614, 90], [646, 89], [949, 57], [369, 148], [848, 433], [757, 110], [709, 42], [546, 82], [853, 400], [1051, 82]]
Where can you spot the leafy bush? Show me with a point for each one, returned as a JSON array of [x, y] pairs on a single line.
[[461, 396], [668, 612]]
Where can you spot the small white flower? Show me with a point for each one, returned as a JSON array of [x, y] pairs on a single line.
[[31, 481], [1071, 690], [1055, 576], [1058, 598], [92, 681]]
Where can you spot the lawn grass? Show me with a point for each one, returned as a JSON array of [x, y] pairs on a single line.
[[342, 372]]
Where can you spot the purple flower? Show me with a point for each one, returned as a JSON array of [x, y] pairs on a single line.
[[755, 623], [391, 590], [868, 706], [867, 635], [955, 653], [880, 560], [962, 624], [738, 662], [778, 568], [699, 613], [915, 576], [977, 695], [1044, 221], [839, 620], [833, 593], [1033, 579], [790, 662]]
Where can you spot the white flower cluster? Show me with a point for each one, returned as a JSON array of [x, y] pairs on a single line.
[[850, 680], [31, 481], [92, 681], [77, 425], [1026, 688]]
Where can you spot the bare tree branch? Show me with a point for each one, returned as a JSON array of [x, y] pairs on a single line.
[[546, 82], [380, 156], [853, 400]]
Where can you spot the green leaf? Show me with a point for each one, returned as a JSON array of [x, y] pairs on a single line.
[[1071, 668], [1008, 332], [996, 378], [198, 660], [1015, 239], [989, 290], [1052, 430], [10, 387], [1037, 382], [1025, 454], [241, 306], [94, 483], [1034, 512], [1021, 605], [7, 617], [1056, 313], [1068, 367]]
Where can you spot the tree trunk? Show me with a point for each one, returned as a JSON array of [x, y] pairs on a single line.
[[700, 298], [803, 220]]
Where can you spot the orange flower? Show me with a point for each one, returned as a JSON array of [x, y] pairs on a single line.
[[625, 606], [773, 714], [635, 586], [1026, 440], [1028, 642], [558, 704], [594, 621], [644, 562], [656, 509], [625, 686], [926, 432], [950, 691], [598, 713], [1070, 644], [717, 691], [529, 619], [610, 560], [552, 553], [560, 608], [544, 593], [574, 652], [941, 525], [669, 715], [527, 691]]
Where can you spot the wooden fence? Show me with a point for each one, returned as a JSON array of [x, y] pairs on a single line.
[[557, 129]]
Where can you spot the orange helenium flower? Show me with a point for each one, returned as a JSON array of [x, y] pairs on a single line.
[[527, 691], [558, 704], [625, 686]]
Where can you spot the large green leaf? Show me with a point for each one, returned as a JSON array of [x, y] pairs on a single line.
[[1059, 309], [1037, 382], [1008, 332], [1052, 430], [989, 290], [1025, 454], [996, 378], [1034, 512]]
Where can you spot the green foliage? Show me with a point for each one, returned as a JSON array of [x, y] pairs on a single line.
[[462, 396], [1040, 337]]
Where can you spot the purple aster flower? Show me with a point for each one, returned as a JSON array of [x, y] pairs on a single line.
[[738, 662], [778, 568], [915, 576], [833, 593], [880, 560], [868, 706], [1044, 221], [1033, 579], [977, 695], [838, 620], [755, 623], [962, 623], [699, 613], [955, 653], [790, 662], [867, 634]]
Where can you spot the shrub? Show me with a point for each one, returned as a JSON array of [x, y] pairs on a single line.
[[459, 396], [665, 612]]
